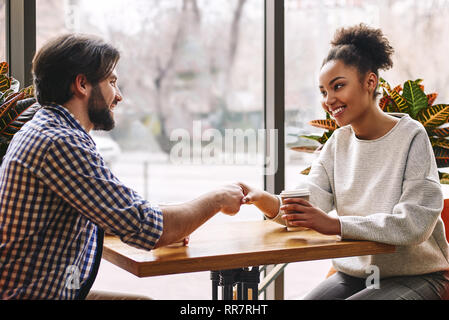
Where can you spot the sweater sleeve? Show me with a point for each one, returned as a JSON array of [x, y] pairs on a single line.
[[414, 217], [319, 184]]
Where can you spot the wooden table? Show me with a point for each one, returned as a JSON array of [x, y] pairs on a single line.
[[224, 246]]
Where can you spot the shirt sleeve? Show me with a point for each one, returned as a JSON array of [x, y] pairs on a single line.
[[77, 173], [414, 217]]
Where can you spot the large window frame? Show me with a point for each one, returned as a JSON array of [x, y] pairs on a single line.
[[21, 47]]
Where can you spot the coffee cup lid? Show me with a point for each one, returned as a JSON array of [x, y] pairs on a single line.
[[295, 193]]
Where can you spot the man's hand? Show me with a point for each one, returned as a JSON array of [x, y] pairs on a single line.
[[301, 213], [229, 198]]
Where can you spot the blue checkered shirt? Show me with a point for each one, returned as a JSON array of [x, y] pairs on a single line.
[[57, 197]]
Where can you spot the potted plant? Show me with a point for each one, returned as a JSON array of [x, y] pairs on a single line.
[[16, 107], [410, 99]]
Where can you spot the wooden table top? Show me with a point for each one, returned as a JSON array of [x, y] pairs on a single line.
[[220, 246]]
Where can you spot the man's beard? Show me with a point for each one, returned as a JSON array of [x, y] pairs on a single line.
[[98, 110]]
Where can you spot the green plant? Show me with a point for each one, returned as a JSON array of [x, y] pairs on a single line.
[[410, 99], [16, 107]]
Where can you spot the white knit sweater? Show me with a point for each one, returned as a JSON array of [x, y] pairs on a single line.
[[385, 190]]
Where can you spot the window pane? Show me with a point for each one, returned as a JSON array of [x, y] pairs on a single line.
[[190, 69], [2, 31], [416, 30]]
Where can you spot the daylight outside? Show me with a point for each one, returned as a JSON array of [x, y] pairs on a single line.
[[192, 76]]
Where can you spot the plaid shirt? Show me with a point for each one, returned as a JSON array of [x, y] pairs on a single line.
[[56, 198]]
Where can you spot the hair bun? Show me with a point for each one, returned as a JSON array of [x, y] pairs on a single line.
[[369, 42]]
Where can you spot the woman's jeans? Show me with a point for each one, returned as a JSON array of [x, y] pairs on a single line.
[[340, 286]]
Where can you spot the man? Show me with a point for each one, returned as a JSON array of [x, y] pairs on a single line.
[[56, 194]]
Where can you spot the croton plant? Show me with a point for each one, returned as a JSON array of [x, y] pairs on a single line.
[[16, 107], [410, 99]]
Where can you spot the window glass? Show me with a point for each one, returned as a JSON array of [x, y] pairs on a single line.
[[191, 74], [2, 31], [417, 32]]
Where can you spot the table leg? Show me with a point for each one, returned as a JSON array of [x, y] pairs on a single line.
[[227, 281], [215, 277], [244, 278]]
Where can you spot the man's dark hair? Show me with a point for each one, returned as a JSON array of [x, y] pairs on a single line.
[[62, 59]]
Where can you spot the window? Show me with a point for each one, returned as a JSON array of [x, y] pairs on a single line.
[[417, 32], [191, 74], [2, 30]]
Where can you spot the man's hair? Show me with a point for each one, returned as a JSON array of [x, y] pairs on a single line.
[[62, 59]]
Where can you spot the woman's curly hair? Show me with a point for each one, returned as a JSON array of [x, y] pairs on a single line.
[[363, 47]]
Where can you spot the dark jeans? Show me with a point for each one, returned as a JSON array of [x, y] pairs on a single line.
[[340, 286]]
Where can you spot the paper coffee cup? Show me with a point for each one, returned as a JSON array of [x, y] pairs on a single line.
[[298, 193]]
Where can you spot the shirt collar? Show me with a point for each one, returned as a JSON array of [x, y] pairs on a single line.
[[67, 115]]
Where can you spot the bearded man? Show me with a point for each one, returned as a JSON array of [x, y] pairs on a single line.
[[57, 196]]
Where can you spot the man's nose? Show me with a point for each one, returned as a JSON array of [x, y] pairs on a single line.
[[118, 95]]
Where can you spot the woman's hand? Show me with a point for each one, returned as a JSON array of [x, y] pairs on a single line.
[[300, 213], [266, 202]]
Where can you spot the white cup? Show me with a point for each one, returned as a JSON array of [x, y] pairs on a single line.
[[298, 193]]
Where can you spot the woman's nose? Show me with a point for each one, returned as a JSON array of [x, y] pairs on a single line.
[[329, 100]]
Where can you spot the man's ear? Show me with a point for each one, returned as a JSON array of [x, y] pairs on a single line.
[[80, 86]]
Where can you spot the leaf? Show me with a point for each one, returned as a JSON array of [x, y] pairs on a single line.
[[400, 101], [306, 171], [4, 68], [441, 157], [5, 83], [5, 96], [308, 149], [6, 111], [391, 107], [29, 108], [325, 137], [440, 132], [28, 91], [398, 88], [434, 116], [431, 98], [384, 102], [416, 98], [328, 124], [311, 137], [443, 143], [444, 177], [15, 85]]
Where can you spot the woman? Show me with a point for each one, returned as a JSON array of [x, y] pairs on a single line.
[[379, 173]]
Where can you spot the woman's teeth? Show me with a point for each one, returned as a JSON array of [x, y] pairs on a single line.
[[337, 111]]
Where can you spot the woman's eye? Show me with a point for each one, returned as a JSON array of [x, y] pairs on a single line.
[[338, 86], [323, 93]]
